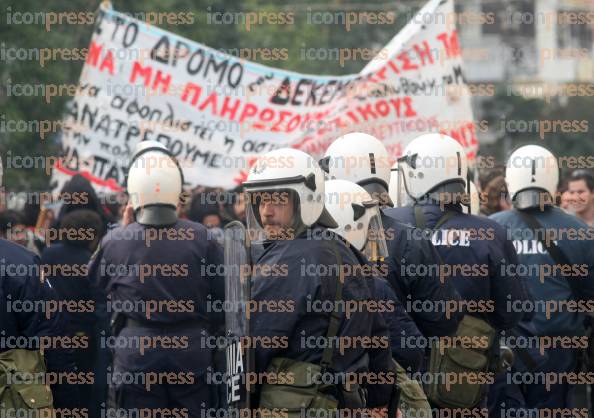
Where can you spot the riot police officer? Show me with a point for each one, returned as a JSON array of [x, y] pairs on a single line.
[[157, 276], [363, 159], [557, 258], [359, 223], [478, 257], [32, 337], [303, 269]]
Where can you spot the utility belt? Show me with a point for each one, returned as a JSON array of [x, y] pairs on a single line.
[[307, 393], [120, 321], [18, 366], [451, 385], [304, 392]]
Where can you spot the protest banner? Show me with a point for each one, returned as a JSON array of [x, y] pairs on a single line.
[[217, 113]]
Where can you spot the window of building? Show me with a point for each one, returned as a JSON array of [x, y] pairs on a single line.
[[495, 9], [573, 34]]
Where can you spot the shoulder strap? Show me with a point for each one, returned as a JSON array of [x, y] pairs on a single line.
[[334, 323], [554, 251], [556, 254], [420, 218], [444, 218]]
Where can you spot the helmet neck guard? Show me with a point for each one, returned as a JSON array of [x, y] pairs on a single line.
[[532, 198], [156, 215]]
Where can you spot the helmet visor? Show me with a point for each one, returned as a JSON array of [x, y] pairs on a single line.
[[375, 246], [272, 215]]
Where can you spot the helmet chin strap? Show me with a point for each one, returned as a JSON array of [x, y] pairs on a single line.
[[298, 227], [297, 224], [468, 193]]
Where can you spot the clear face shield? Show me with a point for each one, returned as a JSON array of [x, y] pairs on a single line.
[[375, 248], [272, 215]]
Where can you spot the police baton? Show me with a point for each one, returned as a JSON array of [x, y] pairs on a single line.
[[394, 401]]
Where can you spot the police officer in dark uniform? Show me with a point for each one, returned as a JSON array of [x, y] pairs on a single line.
[[363, 159], [154, 274], [66, 261], [359, 223], [557, 258], [313, 268], [28, 325], [476, 251]]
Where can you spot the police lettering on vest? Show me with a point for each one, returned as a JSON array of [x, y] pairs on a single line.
[[530, 246], [451, 237]]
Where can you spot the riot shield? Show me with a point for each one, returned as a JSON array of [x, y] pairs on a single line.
[[237, 294]]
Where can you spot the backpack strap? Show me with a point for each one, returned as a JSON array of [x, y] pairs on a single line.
[[422, 224], [334, 322]]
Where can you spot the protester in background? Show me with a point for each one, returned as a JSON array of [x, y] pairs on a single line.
[[563, 197], [13, 228], [492, 184], [205, 210], [580, 186], [114, 205], [80, 231], [31, 212], [42, 213], [207, 213], [78, 193], [234, 206], [239, 205]]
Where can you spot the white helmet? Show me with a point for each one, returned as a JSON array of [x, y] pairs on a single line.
[[154, 184], [288, 169], [362, 159], [531, 174], [433, 164], [358, 217]]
